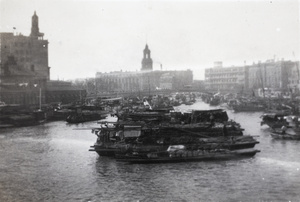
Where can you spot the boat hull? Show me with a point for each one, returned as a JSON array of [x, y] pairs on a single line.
[[108, 150], [81, 119], [203, 157], [248, 109], [113, 149], [285, 136]]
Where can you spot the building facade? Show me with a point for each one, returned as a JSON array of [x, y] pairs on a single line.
[[64, 92], [25, 72], [30, 52], [144, 80], [219, 78], [281, 75]]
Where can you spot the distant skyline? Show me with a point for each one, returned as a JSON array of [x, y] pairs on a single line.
[[89, 36]]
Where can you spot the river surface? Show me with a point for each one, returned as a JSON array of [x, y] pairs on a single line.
[[51, 162]]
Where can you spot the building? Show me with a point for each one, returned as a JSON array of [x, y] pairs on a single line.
[[219, 78], [281, 75], [25, 72], [63, 92], [144, 80], [147, 63], [30, 52]]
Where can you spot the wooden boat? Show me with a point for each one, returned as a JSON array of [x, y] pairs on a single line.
[[80, 118], [114, 137], [17, 116], [248, 108], [231, 103], [59, 114], [182, 155], [200, 132], [214, 101], [122, 137], [278, 121], [273, 120], [86, 113], [285, 136]]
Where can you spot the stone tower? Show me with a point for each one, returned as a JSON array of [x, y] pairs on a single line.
[[147, 63], [35, 32]]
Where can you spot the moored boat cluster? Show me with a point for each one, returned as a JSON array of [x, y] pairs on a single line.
[[282, 126], [166, 136], [280, 114]]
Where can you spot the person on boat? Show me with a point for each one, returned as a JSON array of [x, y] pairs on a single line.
[[232, 140], [120, 135], [113, 137], [211, 118], [283, 129], [296, 121], [225, 133]]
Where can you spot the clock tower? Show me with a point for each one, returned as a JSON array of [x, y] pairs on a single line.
[[147, 63]]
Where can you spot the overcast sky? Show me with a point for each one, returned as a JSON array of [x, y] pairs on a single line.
[[89, 36]]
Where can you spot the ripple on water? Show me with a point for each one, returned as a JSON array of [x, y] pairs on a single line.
[[51, 162]]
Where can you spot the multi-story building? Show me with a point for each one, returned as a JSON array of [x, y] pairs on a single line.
[[25, 72], [282, 75], [274, 74], [30, 52], [144, 80], [64, 92], [219, 78]]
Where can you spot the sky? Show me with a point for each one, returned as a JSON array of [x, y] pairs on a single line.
[[89, 36]]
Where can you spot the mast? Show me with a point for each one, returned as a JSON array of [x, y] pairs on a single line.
[[261, 81], [40, 101]]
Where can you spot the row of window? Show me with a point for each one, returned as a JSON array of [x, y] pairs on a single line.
[[222, 86], [23, 59], [120, 81], [225, 75], [223, 81], [20, 99], [23, 51], [224, 70]]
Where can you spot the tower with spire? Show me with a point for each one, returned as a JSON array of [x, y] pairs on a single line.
[[35, 32], [147, 63]]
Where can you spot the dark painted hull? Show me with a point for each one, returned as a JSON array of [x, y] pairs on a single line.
[[20, 120], [273, 125], [285, 136], [203, 157], [238, 108], [85, 118], [113, 149], [104, 150]]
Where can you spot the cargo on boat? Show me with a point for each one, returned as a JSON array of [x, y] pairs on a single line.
[[273, 120], [248, 107], [200, 133], [86, 113], [17, 116]]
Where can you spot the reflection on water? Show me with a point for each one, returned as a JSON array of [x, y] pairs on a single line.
[[51, 162]]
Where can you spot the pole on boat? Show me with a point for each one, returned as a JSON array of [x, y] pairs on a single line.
[[40, 96], [40, 109]]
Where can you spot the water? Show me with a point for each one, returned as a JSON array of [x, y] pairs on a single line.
[[51, 162]]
